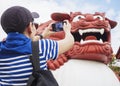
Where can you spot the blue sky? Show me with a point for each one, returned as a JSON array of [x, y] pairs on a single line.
[[46, 7]]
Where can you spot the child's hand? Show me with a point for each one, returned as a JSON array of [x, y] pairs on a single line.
[[66, 26]]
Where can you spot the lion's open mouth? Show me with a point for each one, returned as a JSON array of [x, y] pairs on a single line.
[[91, 35]]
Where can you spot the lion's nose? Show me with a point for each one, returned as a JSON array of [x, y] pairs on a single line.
[[89, 18]]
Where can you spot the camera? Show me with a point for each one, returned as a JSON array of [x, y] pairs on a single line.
[[57, 26]]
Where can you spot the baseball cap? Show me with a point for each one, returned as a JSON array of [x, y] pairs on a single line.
[[17, 18]]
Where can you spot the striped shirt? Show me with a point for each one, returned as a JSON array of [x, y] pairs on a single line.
[[15, 65]]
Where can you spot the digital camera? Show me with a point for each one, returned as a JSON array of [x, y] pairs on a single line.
[[57, 26]]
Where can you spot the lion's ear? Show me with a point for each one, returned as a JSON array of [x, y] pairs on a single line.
[[112, 23], [60, 16]]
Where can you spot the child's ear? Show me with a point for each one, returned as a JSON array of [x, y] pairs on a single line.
[[29, 28]]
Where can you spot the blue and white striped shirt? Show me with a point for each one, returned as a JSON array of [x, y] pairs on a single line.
[[15, 65]]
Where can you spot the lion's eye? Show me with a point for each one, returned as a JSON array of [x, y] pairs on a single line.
[[98, 17], [78, 17]]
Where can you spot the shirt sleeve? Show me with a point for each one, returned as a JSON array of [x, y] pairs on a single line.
[[48, 49]]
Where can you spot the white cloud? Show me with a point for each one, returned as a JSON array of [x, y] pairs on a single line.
[[116, 34], [89, 8], [110, 13], [108, 1], [2, 34]]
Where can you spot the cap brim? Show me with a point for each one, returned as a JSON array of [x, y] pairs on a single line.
[[60, 16], [35, 15]]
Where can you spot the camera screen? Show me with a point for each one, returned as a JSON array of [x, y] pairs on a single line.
[[57, 26]]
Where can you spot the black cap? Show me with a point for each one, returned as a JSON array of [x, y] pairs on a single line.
[[16, 19]]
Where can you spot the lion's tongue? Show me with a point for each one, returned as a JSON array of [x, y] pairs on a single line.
[[90, 38]]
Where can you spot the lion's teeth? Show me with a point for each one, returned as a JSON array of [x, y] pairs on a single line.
[[81, 41], [100, 41], [89, 41], [81, 32], [101, 31]]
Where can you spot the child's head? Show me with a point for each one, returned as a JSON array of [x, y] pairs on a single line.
[[16, 19]]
